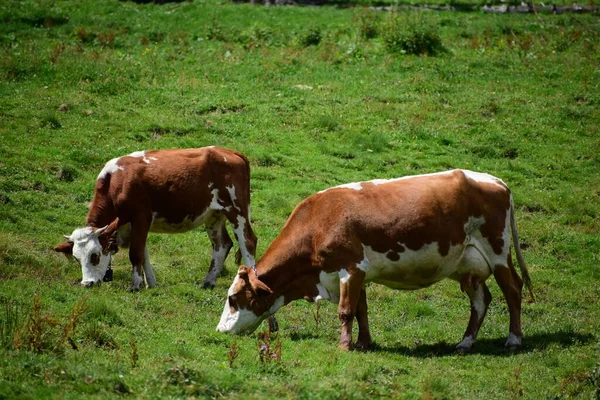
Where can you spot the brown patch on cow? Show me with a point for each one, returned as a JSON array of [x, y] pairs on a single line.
[[66, 248], [250, 293]]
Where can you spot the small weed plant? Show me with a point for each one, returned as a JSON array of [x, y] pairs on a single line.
[[269, 351], [9, 324], [411, 36], [233, 353], [37, 334]]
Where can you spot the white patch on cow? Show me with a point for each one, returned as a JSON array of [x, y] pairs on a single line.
[[85, 244], [359, 185], [239, 232], [231, 190], [328, 287], [237, 322], [513, 340], [408, 271], [142, 155], [353, 186], [482, 245], [224, 158], [484, 178], [110, 168], [148, 272], [214, 203], [344, 276], [236, 280], [363, 265], [138, 154]]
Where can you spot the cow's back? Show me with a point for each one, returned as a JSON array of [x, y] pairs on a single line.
[[397, 217], [175, 183]]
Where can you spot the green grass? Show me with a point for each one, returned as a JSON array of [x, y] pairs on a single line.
[[82, 82]]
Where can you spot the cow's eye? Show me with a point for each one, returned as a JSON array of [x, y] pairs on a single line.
[[231, 300], [95, 258]]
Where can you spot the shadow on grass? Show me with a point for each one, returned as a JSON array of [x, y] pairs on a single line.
[[493, 347]]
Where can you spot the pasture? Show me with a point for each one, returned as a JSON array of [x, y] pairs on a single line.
[[315, 97]]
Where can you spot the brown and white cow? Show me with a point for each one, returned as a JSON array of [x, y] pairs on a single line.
[[168, 191], [406, 233]]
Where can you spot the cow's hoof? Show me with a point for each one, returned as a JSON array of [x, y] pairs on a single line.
[[208, 285], [362, 346], [513, 343], [511, 348], [134, 289], [465, 345], [345, 346], [463, 349]]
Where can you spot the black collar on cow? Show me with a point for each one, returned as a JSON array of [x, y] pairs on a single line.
[[108, 275]]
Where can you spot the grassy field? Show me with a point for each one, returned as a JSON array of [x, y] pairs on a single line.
[[315, 97]]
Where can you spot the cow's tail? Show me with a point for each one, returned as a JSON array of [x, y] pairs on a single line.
[[520, 259]]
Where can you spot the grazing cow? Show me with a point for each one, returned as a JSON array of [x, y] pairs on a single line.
[[406, 233], [168, 191]]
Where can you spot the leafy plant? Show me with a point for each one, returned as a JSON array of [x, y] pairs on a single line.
[[416, 37], [310, 37]]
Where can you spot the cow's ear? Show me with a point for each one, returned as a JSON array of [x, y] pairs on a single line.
[[259, 287], [243, 273], [66, 248]]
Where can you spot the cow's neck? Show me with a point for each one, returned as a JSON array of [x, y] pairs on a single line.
[[101, 212], [292, 276]]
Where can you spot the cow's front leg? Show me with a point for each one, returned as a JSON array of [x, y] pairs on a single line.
[[480, 299], [137, 252], [351, 283], [364, 335]]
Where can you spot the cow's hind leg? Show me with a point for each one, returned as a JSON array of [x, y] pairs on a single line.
[[511, 285], [221, 245], [351, 284], [148, 272], [480, 297], [364, 335]]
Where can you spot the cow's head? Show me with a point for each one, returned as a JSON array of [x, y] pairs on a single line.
[[249, 302], [93, 249]]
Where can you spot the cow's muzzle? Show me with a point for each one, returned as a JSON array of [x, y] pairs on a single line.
[[89, 284]]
